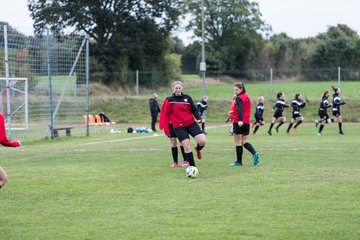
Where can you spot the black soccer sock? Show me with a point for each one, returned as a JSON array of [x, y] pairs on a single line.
[[278, 126], [203, 126], [297, 124], [321, 128], [256, 128], [250, 148], [289, 127], [198, 147], [174, 151], [183, 152], [340, 126], [190, 158], [239, 152], [271, 126]]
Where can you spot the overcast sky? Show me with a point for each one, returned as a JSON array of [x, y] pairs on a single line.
[[297, 18]]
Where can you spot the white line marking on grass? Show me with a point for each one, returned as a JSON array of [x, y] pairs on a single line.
[[122, 140], [142, 137]]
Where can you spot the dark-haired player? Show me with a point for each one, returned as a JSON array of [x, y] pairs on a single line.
[[296, 104], [337, 102], [324, 117], [241, 124], [202, 107], [279, 109]]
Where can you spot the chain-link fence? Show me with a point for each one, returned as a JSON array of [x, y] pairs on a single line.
[[43, 83]]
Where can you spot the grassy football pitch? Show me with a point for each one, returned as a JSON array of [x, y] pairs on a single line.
[[120, 186]]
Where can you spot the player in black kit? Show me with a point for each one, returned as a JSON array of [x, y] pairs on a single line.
[[259, 121], [279, 109], [324, 117], [296, 104], [337, 102]]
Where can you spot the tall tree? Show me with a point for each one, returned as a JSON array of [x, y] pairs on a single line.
[[127, 34], [232, 31], [339, 46]]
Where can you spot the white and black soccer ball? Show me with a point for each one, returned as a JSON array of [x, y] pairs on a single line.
[[191, 172]]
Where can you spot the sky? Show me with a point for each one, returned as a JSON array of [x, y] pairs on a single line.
[[297, 18]]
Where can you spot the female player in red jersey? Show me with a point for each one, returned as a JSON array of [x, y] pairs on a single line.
[[7, 143], [241, 124], [166, 125], [181, 110]]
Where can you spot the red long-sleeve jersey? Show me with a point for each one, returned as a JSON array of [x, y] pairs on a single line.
[[241, 109], [181, 110]]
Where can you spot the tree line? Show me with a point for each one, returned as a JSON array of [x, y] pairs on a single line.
[[130, 35]]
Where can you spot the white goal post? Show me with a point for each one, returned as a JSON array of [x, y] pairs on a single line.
[[19, 112]]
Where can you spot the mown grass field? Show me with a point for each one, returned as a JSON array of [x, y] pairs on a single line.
[[136, 108], [120, 186]]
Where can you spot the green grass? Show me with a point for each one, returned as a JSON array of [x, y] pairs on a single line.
[[136, 109], [309, 90], [120, 186]]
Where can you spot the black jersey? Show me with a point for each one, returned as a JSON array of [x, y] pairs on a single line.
[[337, 102], [201, 106], [297, 104], [279, 107], [259, 110], [324, 104]]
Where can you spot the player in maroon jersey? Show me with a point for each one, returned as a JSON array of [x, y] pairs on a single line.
[[241, 124], [182, 110]]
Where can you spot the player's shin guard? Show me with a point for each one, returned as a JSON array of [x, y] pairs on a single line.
[[297, 124], [239, 153], [198, 147], [250, 148], [289, 127], [190, 158], [174, 151], [183, 152], [256, 128], [279, 125], [340, 127], [321, 128]]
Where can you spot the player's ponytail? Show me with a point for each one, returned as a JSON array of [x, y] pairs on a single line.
[[334, 88]]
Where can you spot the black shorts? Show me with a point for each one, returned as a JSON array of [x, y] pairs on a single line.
[[182, 133], [323, 115], [336, 113], [243, 130], [258, 119], [296, 115], [171, 131], [278, 115]]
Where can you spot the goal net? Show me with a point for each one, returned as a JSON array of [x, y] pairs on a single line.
[[16, 103]]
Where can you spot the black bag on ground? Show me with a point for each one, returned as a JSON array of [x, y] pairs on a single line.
[[104, 117]]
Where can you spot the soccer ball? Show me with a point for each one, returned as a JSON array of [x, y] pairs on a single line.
[[191, 172]]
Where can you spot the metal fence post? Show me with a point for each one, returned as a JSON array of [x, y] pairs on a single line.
[[8, 110], [271, 83], [339, 75], [137, 82], [51, 126], [87, 85]]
